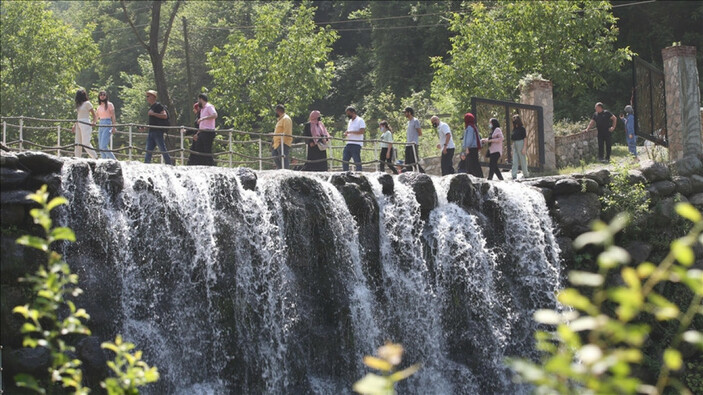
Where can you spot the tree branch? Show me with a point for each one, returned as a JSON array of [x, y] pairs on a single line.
[[134, 29], [170, 25]]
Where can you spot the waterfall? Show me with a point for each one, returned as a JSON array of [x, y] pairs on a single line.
[[280, 282]]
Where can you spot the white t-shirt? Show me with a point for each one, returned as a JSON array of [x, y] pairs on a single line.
[[443, 131], [355, 125], [84, 110]]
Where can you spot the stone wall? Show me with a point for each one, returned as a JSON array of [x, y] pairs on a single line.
[[570, 150], [683, 100]]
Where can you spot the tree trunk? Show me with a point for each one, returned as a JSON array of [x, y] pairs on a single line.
[[157, 60]]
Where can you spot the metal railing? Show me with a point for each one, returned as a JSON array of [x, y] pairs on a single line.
[[126, 138]]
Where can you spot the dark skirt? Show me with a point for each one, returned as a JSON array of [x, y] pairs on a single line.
[[314, 154]]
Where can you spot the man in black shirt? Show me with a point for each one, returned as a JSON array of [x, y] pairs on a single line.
[[158, 116], [605, 122]]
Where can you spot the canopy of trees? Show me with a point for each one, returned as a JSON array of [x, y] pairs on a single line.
[[326, 55]]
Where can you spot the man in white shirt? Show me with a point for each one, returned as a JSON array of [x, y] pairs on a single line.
[[355, 140], [412, 135], [446, 144]]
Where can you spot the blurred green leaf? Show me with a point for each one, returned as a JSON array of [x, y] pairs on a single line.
[[585, 279], [687, 211], [672, 359]]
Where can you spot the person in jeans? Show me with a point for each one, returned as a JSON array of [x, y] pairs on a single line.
[[355, 136], [158, 116], [106, 115], [283, 138], [629, 119], [495, 149], [386, 157], [605, 122], [446, 144], [519, 150], [412, 136], [471, 144], [83, 129], [203, 138]]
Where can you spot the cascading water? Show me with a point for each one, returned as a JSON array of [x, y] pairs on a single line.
[[279, 282]]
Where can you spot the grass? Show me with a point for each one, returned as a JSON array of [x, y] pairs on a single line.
[[618, 156]]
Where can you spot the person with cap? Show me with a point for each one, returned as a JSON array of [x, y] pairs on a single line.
[[446, 144], [158, 116], [629, 119]]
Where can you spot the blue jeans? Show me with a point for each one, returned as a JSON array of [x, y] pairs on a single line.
[[351, 151], [154, 139], [104, 139], [632, 143], [286, 156]]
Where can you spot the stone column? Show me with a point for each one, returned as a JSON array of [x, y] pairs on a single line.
[[683, 100], [539, 93]]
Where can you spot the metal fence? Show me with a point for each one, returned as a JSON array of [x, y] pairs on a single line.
[[649, 102], [231, 147], [532, 119]]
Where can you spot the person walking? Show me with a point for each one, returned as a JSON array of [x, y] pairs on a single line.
[[519, 150], [282, 139], [412, 136], [605, 122], [446, 144], [495, 150], [158, 116], [355, 140], [386, 144], [83, 128], [203, 138], [470, 146], [317, 144], [629, 119], [106, 115]]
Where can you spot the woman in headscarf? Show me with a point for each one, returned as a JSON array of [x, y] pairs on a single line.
[[470, 146], [317, 143]]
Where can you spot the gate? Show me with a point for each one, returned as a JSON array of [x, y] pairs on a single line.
[[503, 111], [649, 102]]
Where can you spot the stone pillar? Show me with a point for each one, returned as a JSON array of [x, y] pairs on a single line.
[[683, 100], [539, 93]]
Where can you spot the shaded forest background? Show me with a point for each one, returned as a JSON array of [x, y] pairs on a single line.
[[326, 55]]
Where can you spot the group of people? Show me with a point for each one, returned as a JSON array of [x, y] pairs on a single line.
[[87, 117], [605, 123]]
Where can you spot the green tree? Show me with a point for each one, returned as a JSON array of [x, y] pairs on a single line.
[[497, 43], [285, 60], [41, 57]]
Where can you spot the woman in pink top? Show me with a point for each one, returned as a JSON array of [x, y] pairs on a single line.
[[106, 114], [495, 149]]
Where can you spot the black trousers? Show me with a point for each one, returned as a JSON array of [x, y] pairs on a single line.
[[473, 165], [604, 139], [387, 161], [493, 166], [411, 162], [447, 162], [202, 145]]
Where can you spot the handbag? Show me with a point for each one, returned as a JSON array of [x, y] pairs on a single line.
[[322, 146]]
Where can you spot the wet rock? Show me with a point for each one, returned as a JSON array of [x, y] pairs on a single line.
[[591, 185], [566, 186], [574, 213], [387, 185], [696, 183], [30, 360], [12, 178], [462, 192], [635, 176], [548, 196], [18, 197], [655, 171], [12, 214], [602, 176], [425, 193], [545, 182], [247, 178], [639, 251], [683, 185], [108, 174], [93, 357], [697, 200], [688, 166], [566, 245], [52, 182], [39, 162], [662, 188], [9, 160]]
